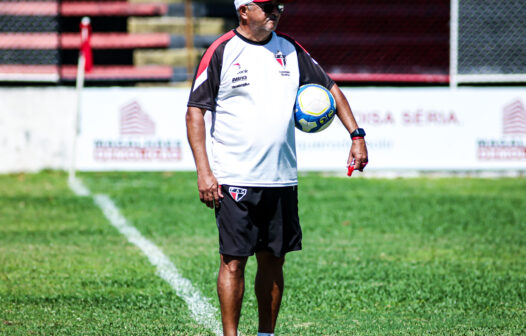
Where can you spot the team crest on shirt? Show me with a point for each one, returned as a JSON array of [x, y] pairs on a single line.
[[282, 60], [237, 193]]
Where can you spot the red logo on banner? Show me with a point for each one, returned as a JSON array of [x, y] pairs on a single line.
[[514, 119], [134, 121], [137, 141], [511, 147]]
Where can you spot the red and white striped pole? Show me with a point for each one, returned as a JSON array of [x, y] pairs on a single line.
[[85, 64]]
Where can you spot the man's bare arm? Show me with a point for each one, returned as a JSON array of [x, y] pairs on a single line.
[[358, 151], [209, 189]]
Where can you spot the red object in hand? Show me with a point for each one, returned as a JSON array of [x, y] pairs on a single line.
[[350, 168]]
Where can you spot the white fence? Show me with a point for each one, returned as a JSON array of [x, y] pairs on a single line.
[[408, 129]]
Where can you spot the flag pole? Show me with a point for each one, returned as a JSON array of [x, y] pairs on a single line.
[[85, 64]]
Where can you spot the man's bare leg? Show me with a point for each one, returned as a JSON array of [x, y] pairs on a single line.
[[230, 289], [269, 289]]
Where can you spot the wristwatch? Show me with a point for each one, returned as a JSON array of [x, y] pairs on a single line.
[[359, 132]]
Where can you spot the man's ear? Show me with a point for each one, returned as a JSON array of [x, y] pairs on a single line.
[[243, 12]]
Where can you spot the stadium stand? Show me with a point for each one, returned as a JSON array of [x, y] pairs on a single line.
[[29, 46], [113, 45], [133, 41], [356, 41]]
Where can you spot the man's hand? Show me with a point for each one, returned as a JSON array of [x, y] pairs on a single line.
[[358, 157], [209, 190]]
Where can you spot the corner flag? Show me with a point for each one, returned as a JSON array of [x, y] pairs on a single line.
[[85, 43]]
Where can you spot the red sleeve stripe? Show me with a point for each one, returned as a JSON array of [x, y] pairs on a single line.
[[205, 61], [292, 40]]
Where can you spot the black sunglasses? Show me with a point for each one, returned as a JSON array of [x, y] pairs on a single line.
[[268, 8]]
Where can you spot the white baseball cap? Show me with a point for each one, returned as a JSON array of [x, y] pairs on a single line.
[[239, 3]]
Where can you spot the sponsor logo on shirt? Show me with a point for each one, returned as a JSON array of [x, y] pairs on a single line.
[[237, 193], [241, 77]]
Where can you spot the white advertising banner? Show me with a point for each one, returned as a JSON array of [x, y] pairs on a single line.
[[427, 129], [134, 129], [407, 129]]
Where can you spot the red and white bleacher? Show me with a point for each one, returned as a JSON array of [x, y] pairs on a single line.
[[38, 41]]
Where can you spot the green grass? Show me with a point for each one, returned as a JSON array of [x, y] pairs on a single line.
[[381, 257]]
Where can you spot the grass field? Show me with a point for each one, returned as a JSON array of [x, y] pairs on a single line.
[[381, 257]]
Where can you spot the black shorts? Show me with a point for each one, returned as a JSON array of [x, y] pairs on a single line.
[[252, 219]]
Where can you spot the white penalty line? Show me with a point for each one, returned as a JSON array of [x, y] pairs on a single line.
[[201, 310]]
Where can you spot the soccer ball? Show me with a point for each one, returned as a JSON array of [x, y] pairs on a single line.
[[315, 108]]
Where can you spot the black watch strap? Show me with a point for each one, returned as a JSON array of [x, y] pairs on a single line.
[[359, 132]]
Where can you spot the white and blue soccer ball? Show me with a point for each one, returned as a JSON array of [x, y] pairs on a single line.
[[315, 108]]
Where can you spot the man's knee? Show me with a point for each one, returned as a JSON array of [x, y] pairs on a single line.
[[233, 265], [267, 260]]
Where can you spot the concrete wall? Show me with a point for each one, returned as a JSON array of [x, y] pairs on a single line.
[[36, 127]]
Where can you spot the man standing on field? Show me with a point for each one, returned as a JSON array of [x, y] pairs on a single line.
[[248, 79]]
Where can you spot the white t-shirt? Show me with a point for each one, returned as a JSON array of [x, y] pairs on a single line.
[[250, 88]]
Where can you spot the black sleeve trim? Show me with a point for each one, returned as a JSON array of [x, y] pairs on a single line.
[[207, 79]]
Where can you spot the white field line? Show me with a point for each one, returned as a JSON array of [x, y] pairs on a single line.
[[78, 187], [201, 310]]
